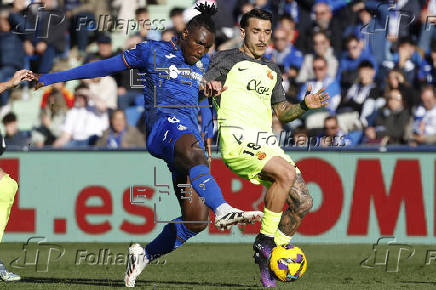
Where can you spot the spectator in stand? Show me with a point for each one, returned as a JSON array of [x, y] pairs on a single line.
[[333, 135], [177, 20], [321, 47], [104, 43], [325, 22], [396, 80], [58, 88], [105, 88], [124, 10], [120, 134], [362, 28], [168, 34], [323, 80], [424, 127], [301, 137], [360, 91], [83, 122], [127, 94], [143, 18], [11, 53], [49, 40], [52, 119], [284, 53], [407, 59], [428, 32], [390, 123], [147, 30], [288, 25], [82, 13], [349, 63], [13, 136], [376, 100], [243, 7], [391, 24], [297, 10], [427, 72]]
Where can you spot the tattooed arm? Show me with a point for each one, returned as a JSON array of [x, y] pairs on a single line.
[[287, 112]]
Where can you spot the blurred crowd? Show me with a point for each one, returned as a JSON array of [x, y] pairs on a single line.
[[376, 59]]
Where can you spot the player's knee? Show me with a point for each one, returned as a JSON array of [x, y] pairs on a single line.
[[286, 175], [190, 157], [196, 227]]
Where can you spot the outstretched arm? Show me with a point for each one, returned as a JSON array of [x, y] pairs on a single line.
[[19, 76], [91, 70], [287, 112]]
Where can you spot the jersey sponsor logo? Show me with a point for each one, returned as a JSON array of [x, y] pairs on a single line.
[[255, 85], [170, 56], [173, 71], [173, 119]]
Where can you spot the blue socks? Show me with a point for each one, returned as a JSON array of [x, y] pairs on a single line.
[[172, 236], [206, 186]]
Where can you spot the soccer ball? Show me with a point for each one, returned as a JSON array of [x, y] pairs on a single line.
[[288, 262]]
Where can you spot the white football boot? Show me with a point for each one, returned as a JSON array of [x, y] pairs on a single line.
[[136, 262], [7, 276], [236, 216]]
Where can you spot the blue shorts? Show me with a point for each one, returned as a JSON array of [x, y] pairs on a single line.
[[166, 131]]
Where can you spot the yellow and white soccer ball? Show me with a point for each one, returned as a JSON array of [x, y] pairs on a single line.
[[288, 262]]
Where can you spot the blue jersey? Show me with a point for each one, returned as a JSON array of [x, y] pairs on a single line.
[[170, 85]]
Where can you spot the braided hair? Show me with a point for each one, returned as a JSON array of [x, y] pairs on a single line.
[[204, 19]]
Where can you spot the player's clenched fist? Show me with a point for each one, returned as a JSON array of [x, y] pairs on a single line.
[[213, 88]]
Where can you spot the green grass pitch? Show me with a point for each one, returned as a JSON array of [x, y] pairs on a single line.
[[220, 266]]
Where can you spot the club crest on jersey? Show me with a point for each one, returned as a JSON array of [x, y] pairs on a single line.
[[270, 75], [261, 155], [199, 64], [181, 127]]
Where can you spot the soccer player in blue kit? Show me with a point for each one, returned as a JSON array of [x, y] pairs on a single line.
[[173, 76]]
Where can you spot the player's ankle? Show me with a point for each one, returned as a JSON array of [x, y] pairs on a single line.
[[281, 239], [223, 209]]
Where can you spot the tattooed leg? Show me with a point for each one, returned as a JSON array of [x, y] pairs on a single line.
[[300, 202]]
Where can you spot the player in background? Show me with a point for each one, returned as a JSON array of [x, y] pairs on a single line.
[[247, 144], [8, 186], [173, 75]]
